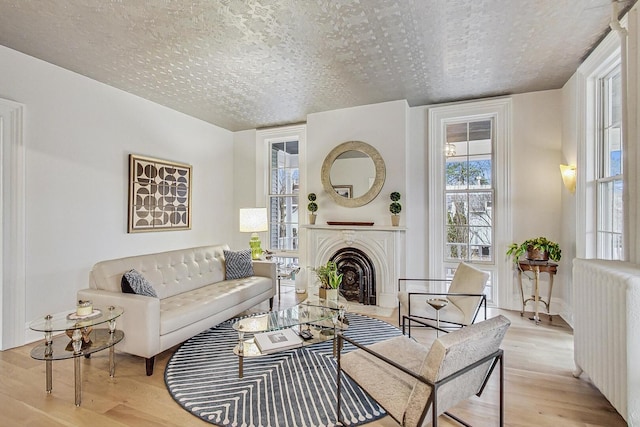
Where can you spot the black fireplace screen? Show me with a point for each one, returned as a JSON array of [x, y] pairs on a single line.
[[359, 278]]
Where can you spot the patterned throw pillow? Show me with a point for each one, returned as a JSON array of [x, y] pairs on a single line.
[[135, 283], [238, 264]]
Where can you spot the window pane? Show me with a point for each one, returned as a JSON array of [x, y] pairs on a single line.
[[611, 147], [469, 223], [283, 199], [456, 173], [609, 209], [480, 130]]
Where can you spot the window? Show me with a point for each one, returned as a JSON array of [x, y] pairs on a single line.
[[280, 153], [468, 171], [469, 192], [284, 177], [609, 173]]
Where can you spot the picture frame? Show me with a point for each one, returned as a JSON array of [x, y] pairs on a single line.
[[344, 190], [159, 195]]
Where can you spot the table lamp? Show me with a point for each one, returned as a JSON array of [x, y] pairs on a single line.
[[254, 220]]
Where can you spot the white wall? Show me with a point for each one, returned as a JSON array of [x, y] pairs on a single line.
[[383, 126], [399, 134], [244, 183], [536, 182], [78, 135], [569, 156]]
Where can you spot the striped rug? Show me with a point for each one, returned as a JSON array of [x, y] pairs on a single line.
[[295, 388]]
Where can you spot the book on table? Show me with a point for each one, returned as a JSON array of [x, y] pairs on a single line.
[[282, 339]]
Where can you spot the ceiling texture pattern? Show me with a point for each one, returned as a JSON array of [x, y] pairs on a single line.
[[243, 64]]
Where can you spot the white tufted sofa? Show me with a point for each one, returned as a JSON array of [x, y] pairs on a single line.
[[193, 296]]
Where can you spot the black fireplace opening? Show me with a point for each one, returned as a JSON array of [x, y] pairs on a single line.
[[359, 276]]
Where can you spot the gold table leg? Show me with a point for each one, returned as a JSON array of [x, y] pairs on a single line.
[[78, 379], [536, 317]]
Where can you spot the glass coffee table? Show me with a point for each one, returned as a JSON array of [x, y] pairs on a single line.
[[80, 339], [317, 319]]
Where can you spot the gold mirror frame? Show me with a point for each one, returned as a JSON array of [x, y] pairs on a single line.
[[378, 182]]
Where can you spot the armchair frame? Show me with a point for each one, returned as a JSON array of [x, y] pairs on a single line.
[[432, 402], [409, 318]]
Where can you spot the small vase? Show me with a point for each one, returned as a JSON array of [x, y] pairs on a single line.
[[312, 219], [328, 294], [395, 220]]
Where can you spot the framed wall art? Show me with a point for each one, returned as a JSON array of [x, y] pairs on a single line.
[[159, 195], [344, 190]]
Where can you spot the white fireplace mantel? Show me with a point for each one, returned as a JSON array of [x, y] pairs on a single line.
[[385, 245]]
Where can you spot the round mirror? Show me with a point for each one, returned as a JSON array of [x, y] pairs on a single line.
[[353, 174]]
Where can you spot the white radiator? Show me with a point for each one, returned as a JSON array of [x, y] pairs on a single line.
[[607, 331]]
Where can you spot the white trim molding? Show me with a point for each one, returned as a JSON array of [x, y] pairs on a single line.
[[12, 210], [602, 60], [383, 245], [500, 111]]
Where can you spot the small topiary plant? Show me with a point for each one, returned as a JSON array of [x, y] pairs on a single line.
[[395, 207], [312, 206]]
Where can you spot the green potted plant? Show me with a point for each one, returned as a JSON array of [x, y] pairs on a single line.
[[312, 207], [538, 249], [330, 280], [395, 208]]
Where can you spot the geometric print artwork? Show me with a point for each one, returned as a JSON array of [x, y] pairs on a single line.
[[159, 195]]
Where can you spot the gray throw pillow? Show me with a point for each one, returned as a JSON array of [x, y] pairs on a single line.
[[135, 283], [238, 264]]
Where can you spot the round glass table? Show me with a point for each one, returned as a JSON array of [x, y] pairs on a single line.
[[80, 338], [315, 320]]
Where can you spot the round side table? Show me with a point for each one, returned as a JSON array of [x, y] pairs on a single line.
[[79, 338]]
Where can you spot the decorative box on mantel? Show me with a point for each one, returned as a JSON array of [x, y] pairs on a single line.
[[384, 246]]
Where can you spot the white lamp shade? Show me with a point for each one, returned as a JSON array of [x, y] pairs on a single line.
[[253, 220]]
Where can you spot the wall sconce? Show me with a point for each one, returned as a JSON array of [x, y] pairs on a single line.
[[254, 220], [569, 177]]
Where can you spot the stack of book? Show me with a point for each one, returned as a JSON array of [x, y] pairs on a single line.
[[280, 340]]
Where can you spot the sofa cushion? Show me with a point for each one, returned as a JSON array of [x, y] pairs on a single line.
[[238, 264], [190, 307], [133, 282]]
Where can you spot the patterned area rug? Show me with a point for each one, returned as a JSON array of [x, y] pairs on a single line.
[[293, 388]]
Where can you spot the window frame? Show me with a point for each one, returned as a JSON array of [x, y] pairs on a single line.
[[293, 195], [264, 138], [602, 178], [499, 110], [598, 65]]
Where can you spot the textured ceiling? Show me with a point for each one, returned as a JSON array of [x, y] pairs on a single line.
[[243, 64]]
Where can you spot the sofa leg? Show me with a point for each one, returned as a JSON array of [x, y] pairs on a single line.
[[149, 361], [271, 304]]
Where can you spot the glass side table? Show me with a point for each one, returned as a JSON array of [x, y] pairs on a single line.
[[80, 339]]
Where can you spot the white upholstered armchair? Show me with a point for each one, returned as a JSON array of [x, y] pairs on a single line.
[[414, 383], [465, 298]]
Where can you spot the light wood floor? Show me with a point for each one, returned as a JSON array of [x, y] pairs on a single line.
[[539, 387]]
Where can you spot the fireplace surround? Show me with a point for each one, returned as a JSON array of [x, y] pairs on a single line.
[[375, 250]]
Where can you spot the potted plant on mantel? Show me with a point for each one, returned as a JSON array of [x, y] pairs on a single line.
[[330, 280], [538, 249], [312, 207], [395, 208]]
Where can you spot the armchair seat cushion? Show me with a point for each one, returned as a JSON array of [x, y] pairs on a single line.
[[382, 381], [420, 308]]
